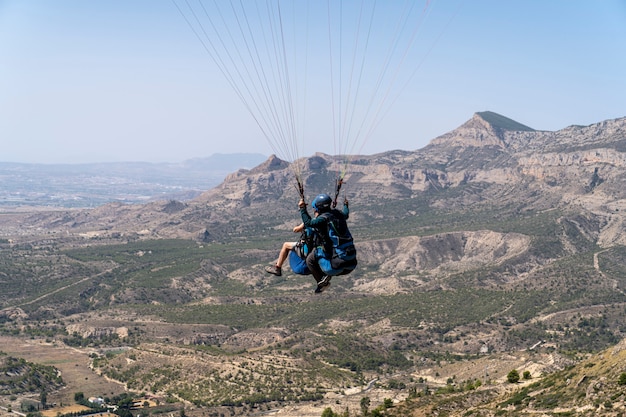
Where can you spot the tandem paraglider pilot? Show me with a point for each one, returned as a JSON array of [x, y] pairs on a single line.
[[336, 255]]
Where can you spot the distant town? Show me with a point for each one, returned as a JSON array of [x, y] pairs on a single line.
[[91, 185]]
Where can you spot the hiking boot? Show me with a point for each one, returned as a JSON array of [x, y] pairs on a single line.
[[323, 284], [274, 270]]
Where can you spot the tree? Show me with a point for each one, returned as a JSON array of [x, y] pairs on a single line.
[[527, 375], [622, 379], [328, 412], [365, 405], [124, 412], [79, 396], [513, 376], [43, 399]]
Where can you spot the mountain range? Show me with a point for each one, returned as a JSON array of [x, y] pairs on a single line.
[[496, 246], [481, 166]]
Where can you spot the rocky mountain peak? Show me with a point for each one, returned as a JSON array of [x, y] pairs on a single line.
[[483, 129], [273, 163], [499, 122]]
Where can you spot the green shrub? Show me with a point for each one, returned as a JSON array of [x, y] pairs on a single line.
[[513, 376]]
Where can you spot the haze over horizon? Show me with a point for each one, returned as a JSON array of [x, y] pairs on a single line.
[[128, 81]]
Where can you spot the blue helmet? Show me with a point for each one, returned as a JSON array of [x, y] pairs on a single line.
[[322, 203]]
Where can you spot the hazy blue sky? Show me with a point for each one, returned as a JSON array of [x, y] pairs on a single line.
[[127, 80]]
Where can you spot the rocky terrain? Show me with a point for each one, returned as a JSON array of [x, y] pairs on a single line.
[[495, 247]]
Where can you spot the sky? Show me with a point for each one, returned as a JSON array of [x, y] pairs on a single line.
[[130, 80]]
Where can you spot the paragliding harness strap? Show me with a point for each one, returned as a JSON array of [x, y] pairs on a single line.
[[343, 256]]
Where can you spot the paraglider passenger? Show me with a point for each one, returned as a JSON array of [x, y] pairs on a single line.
[[276, 269], [296, 252]]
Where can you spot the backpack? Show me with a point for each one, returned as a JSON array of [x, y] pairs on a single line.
[[342, 257]]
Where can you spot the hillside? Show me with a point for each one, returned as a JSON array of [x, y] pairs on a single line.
[[594, 386], [18, 376], [493, 248]]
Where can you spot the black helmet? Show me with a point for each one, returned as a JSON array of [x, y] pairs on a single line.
[[322, 203]]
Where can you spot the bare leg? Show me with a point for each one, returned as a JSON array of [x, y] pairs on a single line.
[[284, 252]]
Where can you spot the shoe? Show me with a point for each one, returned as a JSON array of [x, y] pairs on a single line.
[[274, 270], [323, 284]]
